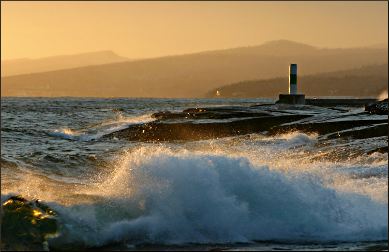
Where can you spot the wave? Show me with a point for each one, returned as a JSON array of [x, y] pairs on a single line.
[[293, 139], [66, 133], [160, 196], [101, 129]]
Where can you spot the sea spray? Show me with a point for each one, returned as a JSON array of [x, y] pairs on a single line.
[[159, 196], [97, 131]]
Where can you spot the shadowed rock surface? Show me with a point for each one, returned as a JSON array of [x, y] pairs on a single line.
[[199, 113], [323, 128], [165, 131], [268, 119], [26, 225], [379, 108]]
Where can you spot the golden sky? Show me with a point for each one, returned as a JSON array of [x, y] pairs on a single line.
[[151, 29]]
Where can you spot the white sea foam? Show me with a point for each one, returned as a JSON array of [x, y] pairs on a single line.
[[156, 195], [104, 128], [294, 139]]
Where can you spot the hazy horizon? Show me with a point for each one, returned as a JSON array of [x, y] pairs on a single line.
[[380, 45], [146, 30]]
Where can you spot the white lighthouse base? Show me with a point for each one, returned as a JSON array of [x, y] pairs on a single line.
[[291, 99]]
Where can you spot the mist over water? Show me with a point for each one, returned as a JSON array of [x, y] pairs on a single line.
[[288, 187]]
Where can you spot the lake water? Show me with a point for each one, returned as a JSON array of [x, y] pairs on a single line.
[[245, 192]]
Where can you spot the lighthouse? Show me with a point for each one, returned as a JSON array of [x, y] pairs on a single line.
[[293, 79], [293, 97]]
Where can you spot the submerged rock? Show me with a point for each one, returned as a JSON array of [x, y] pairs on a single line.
[[379, 108], [26, 225]]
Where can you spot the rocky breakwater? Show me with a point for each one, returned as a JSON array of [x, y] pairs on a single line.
[[267, 119], [204, 123]]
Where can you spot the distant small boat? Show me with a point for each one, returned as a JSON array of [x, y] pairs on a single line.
[[217, 93]]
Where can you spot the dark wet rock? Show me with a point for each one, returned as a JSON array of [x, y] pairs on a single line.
[[383, 149], [261, 105], [379, 108], [323, 128], [161, 131], [369, 131], [203, 113], [216, 122], [26, 225]]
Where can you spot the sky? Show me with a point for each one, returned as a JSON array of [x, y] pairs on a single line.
[[154, 29]]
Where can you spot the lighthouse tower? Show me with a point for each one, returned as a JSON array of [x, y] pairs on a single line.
[[293, 97], [293, 79]]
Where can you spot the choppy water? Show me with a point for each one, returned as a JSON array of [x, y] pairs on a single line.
[[238, 192]]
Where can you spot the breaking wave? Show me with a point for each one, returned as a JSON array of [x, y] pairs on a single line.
[[160, 196]]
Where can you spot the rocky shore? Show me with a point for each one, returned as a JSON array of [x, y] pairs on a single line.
[[267, 119]]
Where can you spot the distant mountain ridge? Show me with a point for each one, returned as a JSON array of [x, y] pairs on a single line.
[[190, 75], [367, 81], [27, 66], [275, 48]]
